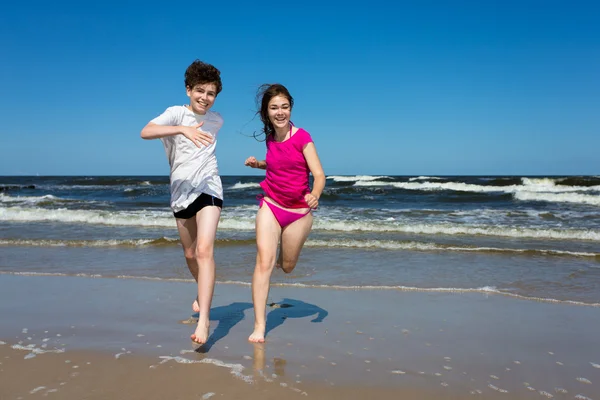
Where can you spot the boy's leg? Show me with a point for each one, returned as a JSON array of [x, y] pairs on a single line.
[[267, 238], [207, 220], [187, 233], [292, 239]]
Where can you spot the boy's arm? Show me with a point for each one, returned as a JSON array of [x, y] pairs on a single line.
[[197, 136]]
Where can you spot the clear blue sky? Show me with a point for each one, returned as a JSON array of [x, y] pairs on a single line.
[[399, 88]]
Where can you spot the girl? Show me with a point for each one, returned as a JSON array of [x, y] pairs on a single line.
[[284, 215]]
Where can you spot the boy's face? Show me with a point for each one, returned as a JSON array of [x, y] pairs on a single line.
[[202, 97]]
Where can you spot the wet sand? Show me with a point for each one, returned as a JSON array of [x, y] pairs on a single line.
[[74, 337]]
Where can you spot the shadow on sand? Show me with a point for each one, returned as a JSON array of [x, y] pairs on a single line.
[[290, 308], [227, 316], [230, 315]]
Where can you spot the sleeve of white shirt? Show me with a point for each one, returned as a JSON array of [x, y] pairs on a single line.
[[167, 118]]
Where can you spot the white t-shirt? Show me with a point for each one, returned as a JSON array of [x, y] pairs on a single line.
[[194, 170]]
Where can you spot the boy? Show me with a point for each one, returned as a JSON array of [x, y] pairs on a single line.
[[189, 135]]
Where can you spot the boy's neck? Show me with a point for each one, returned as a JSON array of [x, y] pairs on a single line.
[[189, 107]]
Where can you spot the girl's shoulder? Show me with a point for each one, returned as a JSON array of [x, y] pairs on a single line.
[[302, 136]]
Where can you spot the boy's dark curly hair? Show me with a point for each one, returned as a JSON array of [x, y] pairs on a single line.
[[200, 72]]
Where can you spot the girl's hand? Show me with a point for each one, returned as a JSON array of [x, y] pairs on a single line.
[[311, 200], [196, 135], [251, 162]]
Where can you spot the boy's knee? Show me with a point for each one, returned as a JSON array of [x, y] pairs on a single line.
[[190, 254], [204, 252]]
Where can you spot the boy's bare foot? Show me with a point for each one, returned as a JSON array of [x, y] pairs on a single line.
[[200, 336], [195, 306], [258, 336]]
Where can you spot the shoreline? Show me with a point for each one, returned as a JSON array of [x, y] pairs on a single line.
[[331, 341]]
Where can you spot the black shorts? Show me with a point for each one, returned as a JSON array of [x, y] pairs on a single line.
[[202, 201]]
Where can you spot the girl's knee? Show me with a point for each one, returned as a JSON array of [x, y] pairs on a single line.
[[265, 264], [288, 266]]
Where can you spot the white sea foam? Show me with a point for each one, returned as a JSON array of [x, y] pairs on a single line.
[[456, 229], [36, 350], [236, 369], [82, 243], [559, 197], [121, 218], [356, 178], [240, 185], [426, 178], [420, 246], [245, 222], [4, 198], [536, 186]]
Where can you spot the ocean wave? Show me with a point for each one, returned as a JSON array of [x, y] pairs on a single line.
[[559, 197], [122, 218], [246, 222], [401, 288], [164, 241], [455, 229], [538, 186], [247, 185], [421, 246], [359, 178], [426, 178], [160, 242], [5, 187], [29, 199]]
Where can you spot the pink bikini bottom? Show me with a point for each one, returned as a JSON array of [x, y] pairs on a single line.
[[284, 217]]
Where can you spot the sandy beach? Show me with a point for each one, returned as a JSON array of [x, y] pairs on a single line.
[[76, 337]]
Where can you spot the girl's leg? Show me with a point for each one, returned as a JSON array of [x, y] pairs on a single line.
[[292, 239], [268, 232], [207, 220], [188, 232]]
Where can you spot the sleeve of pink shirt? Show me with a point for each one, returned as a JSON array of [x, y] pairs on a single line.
[[303, 139]]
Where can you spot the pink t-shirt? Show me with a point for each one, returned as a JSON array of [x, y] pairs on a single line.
[[286, 181]]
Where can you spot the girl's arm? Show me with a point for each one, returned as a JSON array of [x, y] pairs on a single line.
[[314, 164], [252, 162]]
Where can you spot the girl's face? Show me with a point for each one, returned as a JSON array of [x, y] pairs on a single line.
[[202, 97], [279, 112]]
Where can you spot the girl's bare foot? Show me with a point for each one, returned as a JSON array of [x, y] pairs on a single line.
[[195, 306], [258, 336], [200, 336]]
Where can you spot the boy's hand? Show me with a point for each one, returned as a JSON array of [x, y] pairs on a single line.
[[196, 135], [251, 162], [311, 200]]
